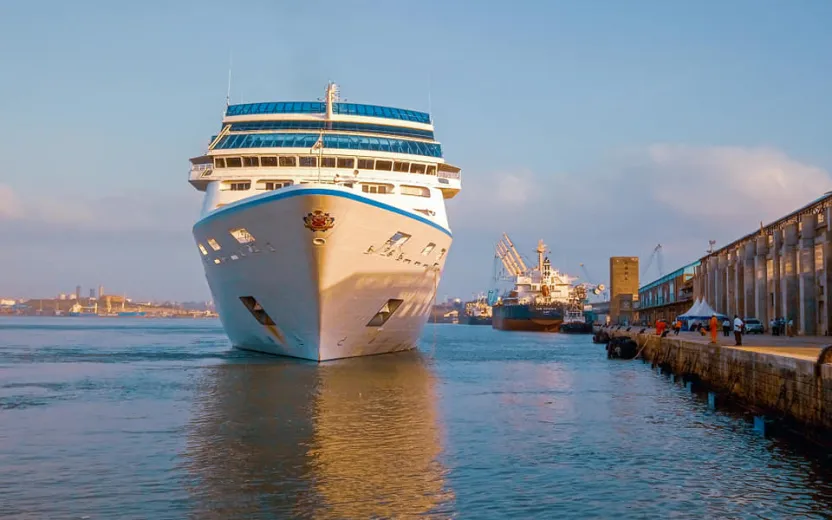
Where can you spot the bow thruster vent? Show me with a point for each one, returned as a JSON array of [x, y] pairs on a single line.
[[384, 313], [256, 310]]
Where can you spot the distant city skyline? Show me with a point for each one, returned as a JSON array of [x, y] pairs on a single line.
[[602, 128]]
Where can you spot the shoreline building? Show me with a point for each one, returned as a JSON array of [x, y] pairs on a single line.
[[781, 270], [668, 296], [623, 288]]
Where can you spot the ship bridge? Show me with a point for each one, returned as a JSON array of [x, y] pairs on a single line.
[[345, 126], [293, 141]]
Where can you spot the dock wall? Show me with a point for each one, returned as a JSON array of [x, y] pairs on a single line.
[[781, 386]]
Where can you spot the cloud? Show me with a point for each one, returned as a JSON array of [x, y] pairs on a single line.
[[678, 195], [9, 204], [48, 214], [731, 182], [139, 243]]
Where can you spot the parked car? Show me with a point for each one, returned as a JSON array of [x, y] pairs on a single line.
[[753, 326]]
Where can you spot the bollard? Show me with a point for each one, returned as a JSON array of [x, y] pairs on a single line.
[[689, 386], [712, 400], [672, 378], [760, 424]]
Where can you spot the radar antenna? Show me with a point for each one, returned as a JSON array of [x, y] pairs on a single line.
[[228, 92]]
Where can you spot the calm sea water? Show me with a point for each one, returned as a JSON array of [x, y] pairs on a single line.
[[109, 418]]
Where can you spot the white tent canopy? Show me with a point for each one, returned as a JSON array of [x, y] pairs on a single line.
[[700, 310], [694, 309]]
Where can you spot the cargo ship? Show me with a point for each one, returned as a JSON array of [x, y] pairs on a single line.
[[478, 312], [542, 296]]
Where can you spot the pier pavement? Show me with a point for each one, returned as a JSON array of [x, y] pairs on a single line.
[[779, 375], [802, 347]]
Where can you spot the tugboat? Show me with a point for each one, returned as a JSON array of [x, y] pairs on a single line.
[[541, 295], [576, 321], [478, 312]]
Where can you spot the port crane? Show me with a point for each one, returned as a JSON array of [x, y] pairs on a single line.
[[657, 254], [513, 264], [595, 288]]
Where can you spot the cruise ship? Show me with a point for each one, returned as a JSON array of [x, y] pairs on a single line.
[[323, 231]]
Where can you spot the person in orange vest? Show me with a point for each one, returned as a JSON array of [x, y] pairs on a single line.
[[677, 327], [714, 324], [660, 325]]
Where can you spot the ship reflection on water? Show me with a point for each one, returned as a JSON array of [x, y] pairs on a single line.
[[357, 438]]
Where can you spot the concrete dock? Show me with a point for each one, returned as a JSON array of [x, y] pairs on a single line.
[[777, 376]]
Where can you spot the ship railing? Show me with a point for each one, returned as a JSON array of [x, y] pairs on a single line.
[[202, 169], [448, 175]]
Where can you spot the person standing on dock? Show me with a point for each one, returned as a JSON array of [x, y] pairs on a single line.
[[738, 324], [726, 327], [677, 326], [714, 324], [660, 325]]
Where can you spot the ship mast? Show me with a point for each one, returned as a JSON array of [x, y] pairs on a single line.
[[541, 248], [331, 98]]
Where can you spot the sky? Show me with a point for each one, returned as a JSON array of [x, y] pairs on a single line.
[[601, 127]]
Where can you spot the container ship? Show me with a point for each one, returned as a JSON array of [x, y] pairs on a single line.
[[323, 231], [543, 299]]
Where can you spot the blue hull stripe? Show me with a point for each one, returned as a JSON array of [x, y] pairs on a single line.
[[300, 192]]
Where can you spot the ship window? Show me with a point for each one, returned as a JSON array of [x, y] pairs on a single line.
[[365, 164], [219, 162], [239, 186], [327, 162], [308, 161], [384, 165], [431, 170], [397, 240], [287, 160], [235, 257], [385, 313], [417, 168], [418, 191], [401, 166], [256, 310], [233, 162], [242, 235], [214, 245], [203, 250], [217, 260], [268, 161], [346, 162], [337, 141], [376, 188], [273, 185], [428, 248], [251, 161], [441, 254]]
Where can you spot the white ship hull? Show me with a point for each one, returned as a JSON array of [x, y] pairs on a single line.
[[320, 289]]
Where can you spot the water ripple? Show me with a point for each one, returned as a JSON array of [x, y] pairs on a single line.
[[161, 419]]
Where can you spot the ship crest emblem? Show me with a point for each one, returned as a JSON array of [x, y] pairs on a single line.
[[319, 221]]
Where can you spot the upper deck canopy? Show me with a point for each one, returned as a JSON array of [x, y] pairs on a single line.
[[318, 107]]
